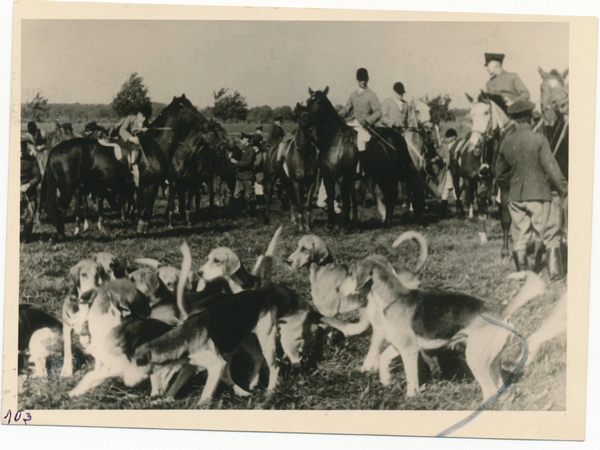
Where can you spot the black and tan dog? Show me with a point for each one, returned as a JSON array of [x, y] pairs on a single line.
[[412, 320], [118, 324], [40, 336], [207, 339]]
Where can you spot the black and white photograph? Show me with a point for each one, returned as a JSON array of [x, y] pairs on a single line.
[[294, 215]]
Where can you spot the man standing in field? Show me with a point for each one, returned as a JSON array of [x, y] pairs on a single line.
[[526, 163], [395, 109], [277, 132], [449, 145], [245, 175], [364, 110], [35, 136], [30, 178], [505, 84]]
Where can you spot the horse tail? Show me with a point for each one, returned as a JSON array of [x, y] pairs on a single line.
[[186, 266], [419, 239], [49, 186]]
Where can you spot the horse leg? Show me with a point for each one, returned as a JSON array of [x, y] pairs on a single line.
[[268, 191], [482, 207], [151, 198], [330, 191], [170, 204], [300, 206], [78, 211], [100, 209], [505, 220], [345, 189], [192, 195], [308, 206], [379, 197], [390, 198]]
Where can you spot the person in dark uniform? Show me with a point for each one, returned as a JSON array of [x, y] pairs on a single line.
[[245, 177], [277, 132], [35, 136], [527, 165], [506, 84], [30, 178]]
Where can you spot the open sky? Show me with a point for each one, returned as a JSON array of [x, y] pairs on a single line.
[[274, 63]]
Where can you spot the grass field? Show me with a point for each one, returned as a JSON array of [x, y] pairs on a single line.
[[456, 262]]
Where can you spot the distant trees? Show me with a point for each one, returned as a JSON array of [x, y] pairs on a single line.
[[132, 96], [229, 107], [37, 109], [440, 109]]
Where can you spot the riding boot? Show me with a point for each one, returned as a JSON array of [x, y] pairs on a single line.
[[252, 209], [444, 208], [556, 266], [521, 262], [260, 200], [459, 208], [538, 254]]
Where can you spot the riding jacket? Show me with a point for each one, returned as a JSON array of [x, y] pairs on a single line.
[[507, 84], [392, 115], [245, 166], [526, 162], [131, 125], [276, 133], [363, 105], [30, 172]]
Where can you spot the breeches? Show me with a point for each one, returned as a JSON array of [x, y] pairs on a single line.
[[535, 219], [363, 135], [246, 186]]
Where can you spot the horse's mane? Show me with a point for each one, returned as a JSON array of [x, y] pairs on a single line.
[[330, 113], [485, 97]]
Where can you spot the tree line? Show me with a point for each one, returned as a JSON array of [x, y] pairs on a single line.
[[228, 107]]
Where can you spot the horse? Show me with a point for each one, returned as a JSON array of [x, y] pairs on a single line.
[[158, 145], [94, 131], [194, 163], [554, 104], [475, 159], [421, 149], [386, 161], [294, 162], [80, 166], [338, 156]]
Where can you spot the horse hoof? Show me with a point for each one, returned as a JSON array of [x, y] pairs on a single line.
[[505, 253]]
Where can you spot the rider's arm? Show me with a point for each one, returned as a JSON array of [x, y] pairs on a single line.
[[375, 110], [124, 130], [552, 169], [348, 108], [523, 92]]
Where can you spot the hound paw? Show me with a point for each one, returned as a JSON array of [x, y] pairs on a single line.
[[241, 392]]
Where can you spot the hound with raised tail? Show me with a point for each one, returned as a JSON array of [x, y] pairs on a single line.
[[414, 320]]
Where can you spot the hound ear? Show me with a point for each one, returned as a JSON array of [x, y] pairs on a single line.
[[233, 264], [74, 274], [326, 90], [542, 73], [151, 280], [364, 274], [319, 251], [88, 296], [101, 274], [565, 73], [311, 92], [469, 98]]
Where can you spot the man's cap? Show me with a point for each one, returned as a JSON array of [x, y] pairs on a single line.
[[521, 106], [362, 74], [399, 88], [278, 119], [489, 57], [451, 132], [259, 128], [245, 135]]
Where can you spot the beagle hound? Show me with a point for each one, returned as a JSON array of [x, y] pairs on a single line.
[[112, 265], [85, 275], [40, 336], [414, 320], [168, 274], [222, 262], [326, 276], [118, 324]]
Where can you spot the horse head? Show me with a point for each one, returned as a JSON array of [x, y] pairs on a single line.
[[487, 117], [419, 113], [554, 94]]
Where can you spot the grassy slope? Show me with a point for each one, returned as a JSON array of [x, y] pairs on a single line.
[[456, 262]]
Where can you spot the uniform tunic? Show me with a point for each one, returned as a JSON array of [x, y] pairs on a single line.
[[276, 133], [507, 84], [363, 105], [392, 114], [245, 174], [526, 163], [131, 125]]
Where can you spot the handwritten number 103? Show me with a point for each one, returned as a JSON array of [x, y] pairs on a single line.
[[25, 417]]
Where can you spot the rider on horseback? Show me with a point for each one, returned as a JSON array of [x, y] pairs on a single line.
[[30, 178], [364, 109], [395, 109], [506, 84]]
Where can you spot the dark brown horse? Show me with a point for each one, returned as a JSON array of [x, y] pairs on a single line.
[[194, 163], [78, 167], [294, 163], [165, 134], [338, 156]]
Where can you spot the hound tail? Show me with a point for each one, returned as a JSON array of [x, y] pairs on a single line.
[[148, 262], [266, 263], [186, 267], [419, 239], [533, 287]]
